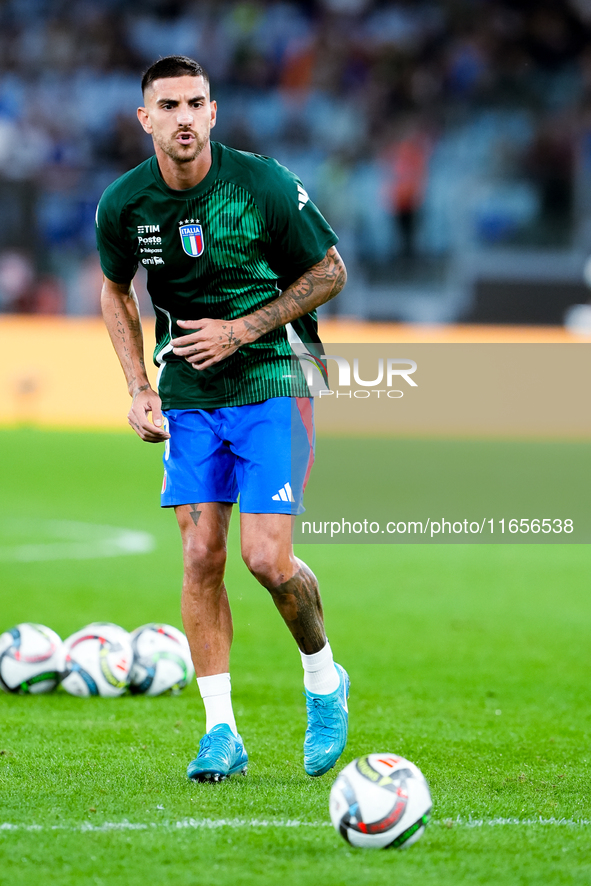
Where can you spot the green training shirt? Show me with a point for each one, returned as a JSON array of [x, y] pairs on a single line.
[[222, 250]]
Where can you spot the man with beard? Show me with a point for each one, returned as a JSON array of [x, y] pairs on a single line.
[[238, 259]]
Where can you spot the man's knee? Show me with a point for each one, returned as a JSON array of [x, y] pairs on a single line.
[[203, 562], [268, 565]]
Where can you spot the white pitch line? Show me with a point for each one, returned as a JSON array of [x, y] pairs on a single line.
[[71, 540], [217, 823], [183, 824], [521, 822]]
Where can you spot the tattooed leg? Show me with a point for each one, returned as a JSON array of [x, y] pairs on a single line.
[[204, 603], [194, 514], [300, 606], [267, 551]]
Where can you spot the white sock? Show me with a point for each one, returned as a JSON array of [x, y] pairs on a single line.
[[320, 675], [216, 694]]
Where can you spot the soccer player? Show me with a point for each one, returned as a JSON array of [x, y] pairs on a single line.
[[238, 259]]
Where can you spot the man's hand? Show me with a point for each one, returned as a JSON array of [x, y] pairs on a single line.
[[146, 401], [213, 340]]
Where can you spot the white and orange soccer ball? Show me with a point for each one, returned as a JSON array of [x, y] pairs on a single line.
[[98, 660], [31, 659], [380, 801], [161, 660]]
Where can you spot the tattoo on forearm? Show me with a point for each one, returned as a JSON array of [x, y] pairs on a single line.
[[127, 336], [195, 514], [135, 327], [298, 601], [139, 390], [317, 286]]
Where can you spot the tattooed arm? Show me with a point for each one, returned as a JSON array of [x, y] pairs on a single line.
[[215, 340], [122, 317]]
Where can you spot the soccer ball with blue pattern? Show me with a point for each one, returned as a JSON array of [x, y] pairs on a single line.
[[31, 659], [98, 660], [380, 801], [161, 660]]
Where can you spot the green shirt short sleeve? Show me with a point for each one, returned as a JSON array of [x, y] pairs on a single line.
[[117, 260], [300, 235]]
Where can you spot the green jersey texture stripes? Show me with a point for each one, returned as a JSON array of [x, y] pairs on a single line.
[[222, 249]]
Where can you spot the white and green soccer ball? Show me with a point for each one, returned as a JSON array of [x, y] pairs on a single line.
[[31, 659], [161, 660], [98, 660], [381, 801]]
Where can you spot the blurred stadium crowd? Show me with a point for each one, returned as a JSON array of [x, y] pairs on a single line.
[[419, 128]]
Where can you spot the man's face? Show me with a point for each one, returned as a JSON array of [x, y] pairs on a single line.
[[179, 115]]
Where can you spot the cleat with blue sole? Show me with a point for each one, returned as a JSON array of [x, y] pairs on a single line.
[[221, 754], [328, 723]]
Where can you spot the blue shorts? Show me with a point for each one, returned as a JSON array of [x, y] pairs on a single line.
[[262, 452]]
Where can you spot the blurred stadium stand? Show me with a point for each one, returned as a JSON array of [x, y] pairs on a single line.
[[449, 143]]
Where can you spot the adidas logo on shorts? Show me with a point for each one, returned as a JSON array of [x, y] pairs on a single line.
[[284, 494]]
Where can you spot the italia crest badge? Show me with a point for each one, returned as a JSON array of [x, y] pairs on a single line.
[[192, 237]]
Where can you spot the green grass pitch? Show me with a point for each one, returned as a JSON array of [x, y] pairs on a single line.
[[471, 660]]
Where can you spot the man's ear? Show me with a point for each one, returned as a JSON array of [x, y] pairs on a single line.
[[144, 119]]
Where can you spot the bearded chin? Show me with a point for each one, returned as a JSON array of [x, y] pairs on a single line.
[[183, 158], [174, 152]]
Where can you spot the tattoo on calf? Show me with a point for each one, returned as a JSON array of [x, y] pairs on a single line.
[[298, 601], [195, 514]]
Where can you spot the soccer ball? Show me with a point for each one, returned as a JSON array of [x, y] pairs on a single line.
[[161, 660], [31, 659], [98, 660], [381, 801]]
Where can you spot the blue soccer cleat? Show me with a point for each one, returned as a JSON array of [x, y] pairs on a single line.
[[326, 735], [221, 753]]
